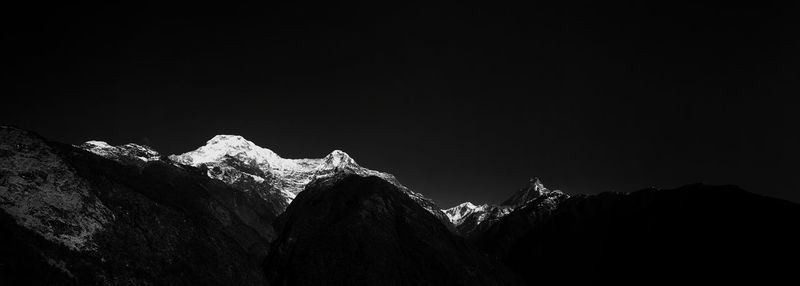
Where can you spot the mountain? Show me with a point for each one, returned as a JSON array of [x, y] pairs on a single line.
[[252, 169], [71, 217], [355, 230], [232, 159], [472, 221], [697, 234], [457, 213], [288, 175], [233, 213], [532, 191], [495, 238]]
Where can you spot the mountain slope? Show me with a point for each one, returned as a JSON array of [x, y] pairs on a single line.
[[696, 234], [496, 238], [70, 217], [363, 231]]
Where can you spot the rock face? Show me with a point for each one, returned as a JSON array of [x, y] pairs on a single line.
[[42, 192], [70, 217], [534, 190], [248, 167], [483, 217], [363, 231], [473, 221], [129, 153], [698, 234]]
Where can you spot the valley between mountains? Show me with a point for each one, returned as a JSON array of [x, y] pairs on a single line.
[[233, 213]]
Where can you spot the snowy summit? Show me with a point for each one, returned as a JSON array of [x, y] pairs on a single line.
[[291, 175]]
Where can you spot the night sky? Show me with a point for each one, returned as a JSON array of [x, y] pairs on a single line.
[[461, 102]]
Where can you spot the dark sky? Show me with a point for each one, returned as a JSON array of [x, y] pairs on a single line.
[[461, 102]]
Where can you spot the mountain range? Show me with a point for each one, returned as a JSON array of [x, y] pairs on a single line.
[[233, 213]]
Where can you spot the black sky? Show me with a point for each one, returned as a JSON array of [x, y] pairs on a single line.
[[462, 102]]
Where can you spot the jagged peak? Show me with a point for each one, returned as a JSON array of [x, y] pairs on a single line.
[[536, 184], [466, 205], [532, 190], [338, 153], [339, 158], [459, 212]]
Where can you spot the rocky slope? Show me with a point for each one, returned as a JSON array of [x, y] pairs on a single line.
[[363, 231], [70, 217], [130, 153], [472, 221], [696, 234]]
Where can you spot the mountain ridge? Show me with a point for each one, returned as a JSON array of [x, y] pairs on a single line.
[[243, 164], [97, 214], [471, 220]]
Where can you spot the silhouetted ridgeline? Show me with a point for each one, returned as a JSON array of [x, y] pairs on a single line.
[[690, 235], [97, 214]]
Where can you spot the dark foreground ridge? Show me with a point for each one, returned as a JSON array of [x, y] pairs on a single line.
[[696, 234], [363, 231]]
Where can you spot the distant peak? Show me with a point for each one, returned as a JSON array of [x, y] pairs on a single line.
[[468, 205], [457, 213], [532, 190], [339, 158], [338, 153], [463, 207], [536, 184]]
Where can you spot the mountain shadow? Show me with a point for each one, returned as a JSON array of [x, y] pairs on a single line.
[[364, 231]]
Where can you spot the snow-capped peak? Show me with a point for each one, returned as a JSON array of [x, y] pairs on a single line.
[[232, 157], [221, 146], [339, 158], [291, 175], [459, 212], [228, 139]]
